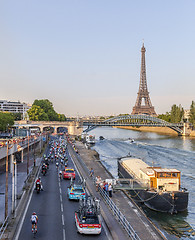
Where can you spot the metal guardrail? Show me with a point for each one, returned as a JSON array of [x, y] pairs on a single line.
[[3, 227], [119, 215]]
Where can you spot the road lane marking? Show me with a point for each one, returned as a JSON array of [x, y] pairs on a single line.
[[62, 208], [62, 219], [64, 235], [25, 211], [71, 157]]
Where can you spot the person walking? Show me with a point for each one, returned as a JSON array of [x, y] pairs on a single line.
[[110, 190], [98, 181], [91, 172], [106, 187]]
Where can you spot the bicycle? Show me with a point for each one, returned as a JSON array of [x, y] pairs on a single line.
[[34, 231]]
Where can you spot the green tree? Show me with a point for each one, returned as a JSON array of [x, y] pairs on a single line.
[[36, 113], [165, 117], [102, 118], [192, 113], [6, 121], [61, 117], [17, 116], [47, 107], [52, 115], [176, 114], [47, 114], [45, 104]]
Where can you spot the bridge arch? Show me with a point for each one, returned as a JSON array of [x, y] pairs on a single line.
[[134, 120], [48, 129]]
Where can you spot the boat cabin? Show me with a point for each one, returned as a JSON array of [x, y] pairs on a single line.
[[162, 179]]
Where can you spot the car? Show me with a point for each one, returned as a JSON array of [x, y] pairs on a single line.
[[75, 192], [87, 218], [69, 173]]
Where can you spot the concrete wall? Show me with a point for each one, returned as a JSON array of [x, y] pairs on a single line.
[[163, 130]]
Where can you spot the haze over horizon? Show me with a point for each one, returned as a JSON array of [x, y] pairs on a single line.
[[84, 56]]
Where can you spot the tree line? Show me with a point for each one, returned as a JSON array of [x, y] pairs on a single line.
[[176, 114], [43, 110]]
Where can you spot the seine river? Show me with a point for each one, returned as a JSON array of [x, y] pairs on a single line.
[[157, 150]]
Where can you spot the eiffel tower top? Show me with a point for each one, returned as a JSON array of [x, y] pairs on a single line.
[[143, 93], [143, 48]]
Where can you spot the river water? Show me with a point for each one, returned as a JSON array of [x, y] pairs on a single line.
[[157, 150]]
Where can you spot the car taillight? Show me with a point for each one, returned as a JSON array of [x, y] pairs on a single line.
[[83, 194], [80, 225], [72, 193], [99, 225]]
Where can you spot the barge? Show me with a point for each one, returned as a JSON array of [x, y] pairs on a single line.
[[161, 186]]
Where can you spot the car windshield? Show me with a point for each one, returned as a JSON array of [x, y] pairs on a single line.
[[77, 190], [93, 220], [69, 170]]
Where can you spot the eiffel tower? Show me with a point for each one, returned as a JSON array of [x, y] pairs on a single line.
[[143, 91]]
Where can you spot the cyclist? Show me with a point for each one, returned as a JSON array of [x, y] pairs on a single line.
[[60, 174], [34, 220], [57, 165], [44, 167], [38, 182]]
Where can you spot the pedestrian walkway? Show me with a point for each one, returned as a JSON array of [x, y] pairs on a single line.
[[21, 177]]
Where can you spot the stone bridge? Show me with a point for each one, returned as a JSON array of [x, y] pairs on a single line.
[[73, 127]]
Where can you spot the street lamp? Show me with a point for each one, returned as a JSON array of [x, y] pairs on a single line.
[[28, 154], [34, 152], [6, 182]]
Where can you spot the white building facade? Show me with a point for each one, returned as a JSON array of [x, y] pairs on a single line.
[[14, 107]]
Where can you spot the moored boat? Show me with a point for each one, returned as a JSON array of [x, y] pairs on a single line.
[[90, 139], [161, 186]]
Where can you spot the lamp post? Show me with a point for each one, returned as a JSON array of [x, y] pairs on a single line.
[[34, 153], [28, 154], [14, 184], [6, 182]]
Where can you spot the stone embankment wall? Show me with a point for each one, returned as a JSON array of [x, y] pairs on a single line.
[[192, 134], [163, 130]]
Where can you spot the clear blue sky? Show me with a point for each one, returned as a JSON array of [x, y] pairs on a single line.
[[84, 55]]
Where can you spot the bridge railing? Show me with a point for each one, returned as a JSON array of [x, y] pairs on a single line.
[[132, 124], [3, 227]]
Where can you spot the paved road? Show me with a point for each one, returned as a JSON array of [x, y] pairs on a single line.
[[54, 210]]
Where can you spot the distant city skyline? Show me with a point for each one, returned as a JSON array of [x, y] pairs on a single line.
[[84, 56]]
